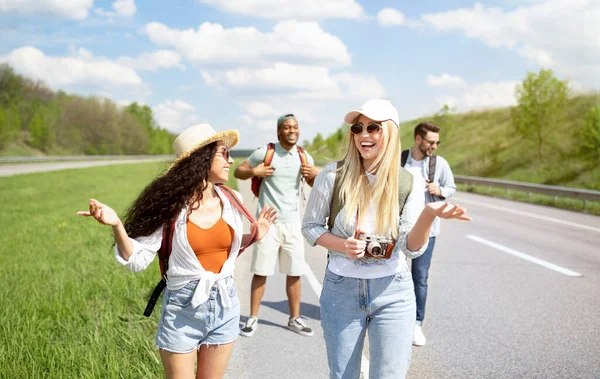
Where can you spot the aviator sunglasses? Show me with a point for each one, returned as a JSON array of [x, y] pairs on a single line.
[[371, 128]]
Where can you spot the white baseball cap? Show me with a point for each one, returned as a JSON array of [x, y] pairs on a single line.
[[375, 109]]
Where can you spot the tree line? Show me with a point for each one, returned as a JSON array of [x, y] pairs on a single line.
[[61, 123]]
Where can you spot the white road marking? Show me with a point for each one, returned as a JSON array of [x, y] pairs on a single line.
[[318, 288], [533, 215], [312, 280], [529, 258]]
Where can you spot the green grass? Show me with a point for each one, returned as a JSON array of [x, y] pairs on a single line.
[[69, 311]]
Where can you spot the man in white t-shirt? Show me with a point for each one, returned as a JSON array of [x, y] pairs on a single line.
[[422, 162]]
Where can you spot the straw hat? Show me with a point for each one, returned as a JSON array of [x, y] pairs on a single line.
[[200, 135]]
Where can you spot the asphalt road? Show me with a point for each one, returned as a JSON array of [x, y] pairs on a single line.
[[514, 294], [27, 168]]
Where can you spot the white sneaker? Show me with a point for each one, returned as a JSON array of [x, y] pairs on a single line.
[[419, 338], [250, 327]]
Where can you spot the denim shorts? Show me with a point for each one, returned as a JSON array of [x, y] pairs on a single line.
[[183, 329]]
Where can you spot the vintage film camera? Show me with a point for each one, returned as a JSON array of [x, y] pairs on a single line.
[[378, 246]]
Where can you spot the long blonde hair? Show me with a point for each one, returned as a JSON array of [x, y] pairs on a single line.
[[357, 193]]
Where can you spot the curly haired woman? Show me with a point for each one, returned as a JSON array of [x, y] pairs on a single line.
[[200, 306]]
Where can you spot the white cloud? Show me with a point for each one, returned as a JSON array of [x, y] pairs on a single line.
[[290, 9], [390, 16], [539, 56], [292, 41], [557, 34], [161, 59], [359, 87], [80, 71], [122, 8], [280, 76], [490, 95], [483, 95], [71, 9], [307, 82], [261, 109], [125, 8], [446, 80], [175, 115], [261, 115]]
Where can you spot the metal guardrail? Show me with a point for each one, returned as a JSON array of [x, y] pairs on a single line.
[[531, 188]]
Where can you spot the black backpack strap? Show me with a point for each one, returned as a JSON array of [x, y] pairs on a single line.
[[432, 161], [164, 252], [154, 297], [404, 157]]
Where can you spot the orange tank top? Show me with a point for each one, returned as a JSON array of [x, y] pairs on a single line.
[[211, 245]]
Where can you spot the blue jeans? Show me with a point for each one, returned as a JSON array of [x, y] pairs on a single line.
[[420, 273], [385, 307]]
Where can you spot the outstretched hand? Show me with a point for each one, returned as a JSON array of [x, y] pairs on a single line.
[[266, 218], [446, 210], [102, 213]]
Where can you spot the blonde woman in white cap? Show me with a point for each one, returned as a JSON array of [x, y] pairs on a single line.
[[367, 211], [200, 308]]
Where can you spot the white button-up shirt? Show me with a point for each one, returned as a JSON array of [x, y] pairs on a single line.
[[184, 266]]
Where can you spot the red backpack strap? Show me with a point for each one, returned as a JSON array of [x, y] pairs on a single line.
[[270, 154], [302, 155], [237, 204], [256, 181], [166, 247], [164, 252]]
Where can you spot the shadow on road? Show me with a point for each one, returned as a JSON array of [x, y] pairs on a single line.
[[306, 310]]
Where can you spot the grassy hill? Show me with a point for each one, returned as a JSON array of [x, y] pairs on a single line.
[[484, 143]]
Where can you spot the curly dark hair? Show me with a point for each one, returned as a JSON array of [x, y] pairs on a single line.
[[163, 199]]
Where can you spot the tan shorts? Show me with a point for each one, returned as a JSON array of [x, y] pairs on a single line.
[[284, 241]]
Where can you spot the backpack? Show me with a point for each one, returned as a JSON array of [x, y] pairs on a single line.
[[432, 160], [257, 181], [335, 206], [164, 252]]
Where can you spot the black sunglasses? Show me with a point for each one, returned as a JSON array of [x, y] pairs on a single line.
[[371, 128]]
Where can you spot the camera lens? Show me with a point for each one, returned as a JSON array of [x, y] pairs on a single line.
[[376, 251]]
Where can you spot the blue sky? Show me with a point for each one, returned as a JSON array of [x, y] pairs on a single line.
[[241, 63]]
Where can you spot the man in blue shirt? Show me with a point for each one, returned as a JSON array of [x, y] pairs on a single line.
[[280, 187]]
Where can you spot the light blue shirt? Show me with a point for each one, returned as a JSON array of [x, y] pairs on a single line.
[[282, 189]]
